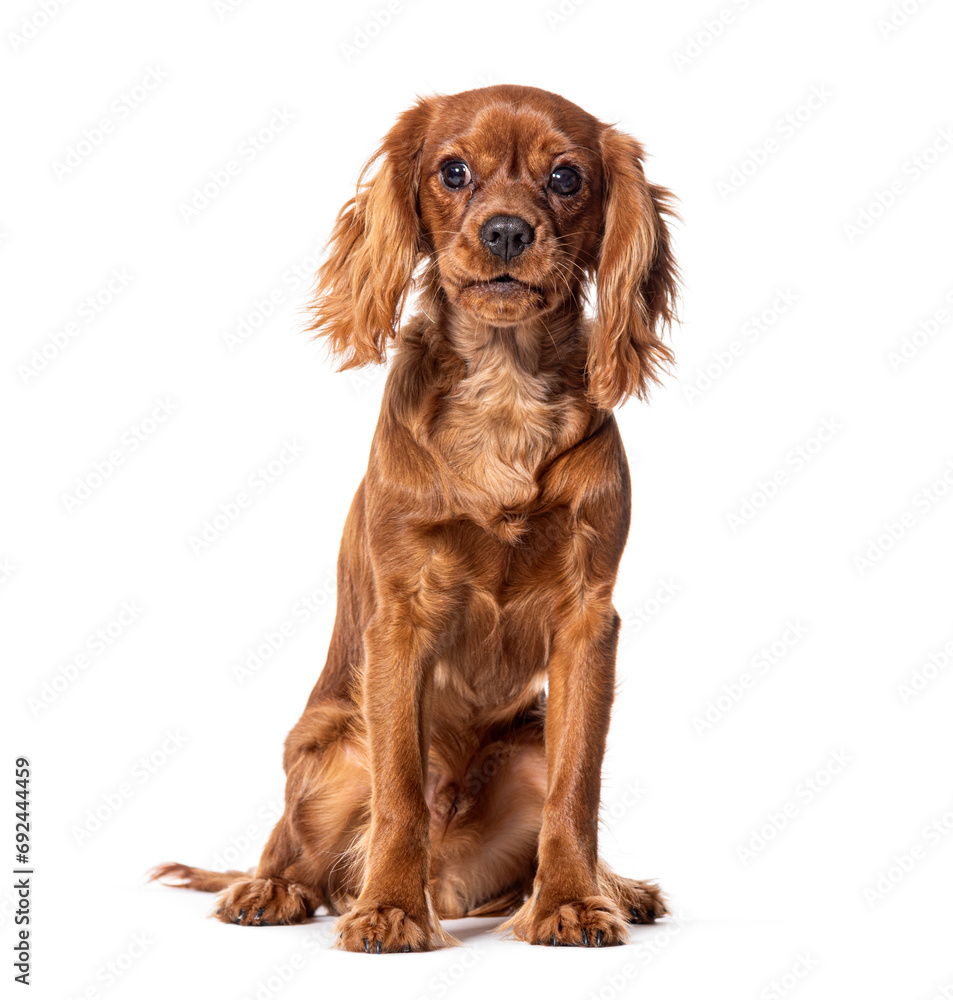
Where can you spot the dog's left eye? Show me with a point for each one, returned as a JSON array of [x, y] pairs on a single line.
[[565, 180], [455, 174]]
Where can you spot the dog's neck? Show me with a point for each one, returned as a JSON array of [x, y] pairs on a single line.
[[538, 347]]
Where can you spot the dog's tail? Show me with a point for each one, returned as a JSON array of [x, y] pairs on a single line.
[[185, 877]]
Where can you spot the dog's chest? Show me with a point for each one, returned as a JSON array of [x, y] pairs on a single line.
[[498, 428]]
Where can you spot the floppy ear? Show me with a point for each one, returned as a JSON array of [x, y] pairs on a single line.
[[361, 288], [636, 278]]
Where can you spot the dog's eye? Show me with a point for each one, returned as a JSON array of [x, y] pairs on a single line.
[[565, 180], [455, 174]]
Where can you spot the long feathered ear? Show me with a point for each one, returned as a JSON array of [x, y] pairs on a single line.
[[376, 243], [636, 278]]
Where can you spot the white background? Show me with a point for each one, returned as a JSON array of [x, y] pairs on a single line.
[[830, 229]]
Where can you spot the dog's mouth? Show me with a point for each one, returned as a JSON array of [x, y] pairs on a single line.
[[501, 299], [505, 284]]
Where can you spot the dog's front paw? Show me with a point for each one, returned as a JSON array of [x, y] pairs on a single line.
[[377, 928], [592, 922], [261, 902]]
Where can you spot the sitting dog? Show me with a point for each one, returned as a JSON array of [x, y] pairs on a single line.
[[448, 760]]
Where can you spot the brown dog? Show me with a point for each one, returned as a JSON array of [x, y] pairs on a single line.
[[430, 775]]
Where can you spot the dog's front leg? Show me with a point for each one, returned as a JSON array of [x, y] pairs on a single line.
[[394, 911], [566, 906]]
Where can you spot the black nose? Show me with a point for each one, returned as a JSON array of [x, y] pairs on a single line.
[[507, 235]]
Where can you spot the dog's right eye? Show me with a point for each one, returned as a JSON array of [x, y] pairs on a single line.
[[565, 180], [455, 174]]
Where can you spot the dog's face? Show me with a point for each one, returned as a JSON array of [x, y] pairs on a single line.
[[517, 199], [511, 202]]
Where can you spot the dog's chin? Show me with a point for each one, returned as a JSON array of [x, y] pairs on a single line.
[[502, 301]]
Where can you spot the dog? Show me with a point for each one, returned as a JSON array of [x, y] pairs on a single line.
[[448, 761]]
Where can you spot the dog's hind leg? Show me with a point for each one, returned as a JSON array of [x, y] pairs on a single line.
[[276, 892], [304, 864]]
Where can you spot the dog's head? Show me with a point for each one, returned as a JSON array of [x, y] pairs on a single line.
[[518, 199]]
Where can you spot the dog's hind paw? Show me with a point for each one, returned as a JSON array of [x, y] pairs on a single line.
[[262, 902]]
